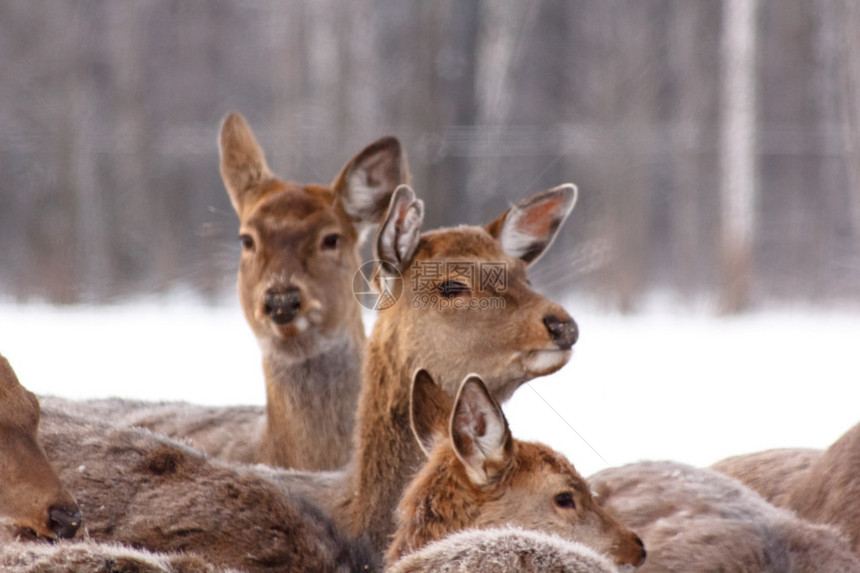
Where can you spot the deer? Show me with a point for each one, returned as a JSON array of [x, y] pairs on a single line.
[[299, 257], [33, 502], [477, 476], [82, 556], [531, 336], [149, 492], [442, 322], [821, 486], [503, 549], [699, 520]]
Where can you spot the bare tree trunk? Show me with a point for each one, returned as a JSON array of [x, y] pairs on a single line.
[[136, 213], [738, 153], [324, 67], [686, 230], [284, 34], [501, 26], [833, 211], [90, 236], [851, 106]]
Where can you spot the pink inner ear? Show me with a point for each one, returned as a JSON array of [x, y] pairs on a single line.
[[538, 220], [472, 421]]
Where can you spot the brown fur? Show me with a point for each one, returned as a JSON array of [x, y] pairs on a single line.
[[820, 486], [29, 487], [698, 520], [149, 492], [478, 476], [311, 363]]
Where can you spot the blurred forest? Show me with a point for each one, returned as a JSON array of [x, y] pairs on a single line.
[[716, 144]]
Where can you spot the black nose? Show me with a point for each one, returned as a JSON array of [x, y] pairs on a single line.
[[563, 331], [64, 522], [644, 553], [282, 306]]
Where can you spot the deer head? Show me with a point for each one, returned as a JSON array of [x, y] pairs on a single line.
[[478, 476], [464, 302], [32, 498], [299, 242]]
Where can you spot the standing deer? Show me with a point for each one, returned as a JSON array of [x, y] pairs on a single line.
[[33, 502], [478, 476], [510, 343], [823, 487], [299, 257], [700, 521]]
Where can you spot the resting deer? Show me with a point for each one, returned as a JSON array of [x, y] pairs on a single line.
[[147, 491], [478, 476], [698, 520], [33, 501], [823, 487], [503, 549], [525, 337], [299, 257], [92, 557]]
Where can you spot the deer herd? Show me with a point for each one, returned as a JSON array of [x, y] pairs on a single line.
[[389, 452]]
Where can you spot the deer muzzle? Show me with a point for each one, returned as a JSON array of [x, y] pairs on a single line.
[[64, 522], [282, 305], [563, 331]]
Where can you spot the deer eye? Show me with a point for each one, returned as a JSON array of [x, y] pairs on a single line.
[[331, 241], [247, 241], [565, 500], [450, 289]]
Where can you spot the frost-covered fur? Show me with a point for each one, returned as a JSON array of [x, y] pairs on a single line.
[[503, 549], [823, 487], [90, 557], [773, 474], [221, 432], [698, 520], [147, 491]]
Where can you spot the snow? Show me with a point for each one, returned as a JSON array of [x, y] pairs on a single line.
[[665, 384]]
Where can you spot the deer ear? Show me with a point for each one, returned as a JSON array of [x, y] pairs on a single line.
[[429, 408], [400, 232], [479, 432], [8, 380], [527, 229], [243, 163], [366, 182]]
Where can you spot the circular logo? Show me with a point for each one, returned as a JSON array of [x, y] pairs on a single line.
[[377, 285]]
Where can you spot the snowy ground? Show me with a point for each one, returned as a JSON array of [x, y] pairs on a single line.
[[661, 385]]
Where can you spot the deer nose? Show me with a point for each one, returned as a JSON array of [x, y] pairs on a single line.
[[282, 306], [562, 330], [638, 541], [64, 522]]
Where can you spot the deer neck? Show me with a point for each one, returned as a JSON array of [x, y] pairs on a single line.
[[438, 502], [386, 454], [311, 404]]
